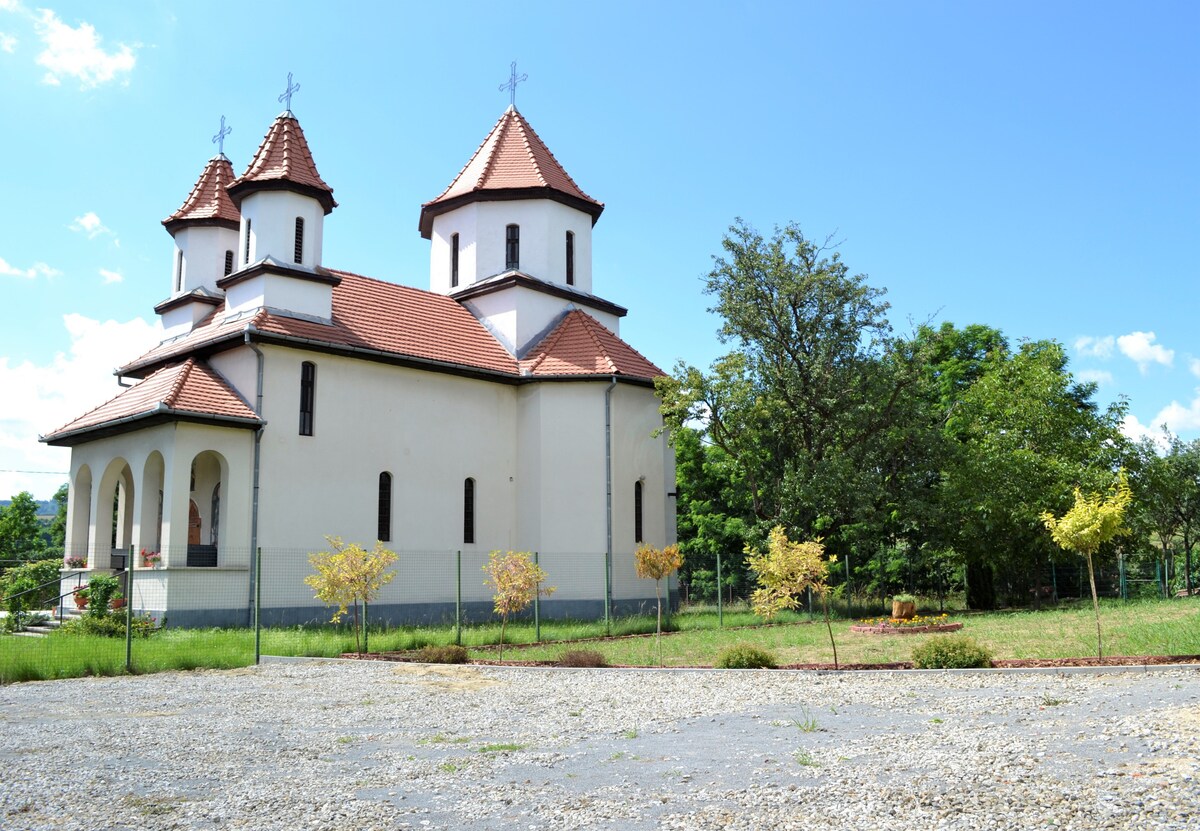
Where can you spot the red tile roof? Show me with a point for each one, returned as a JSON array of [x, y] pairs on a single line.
[[581, 345], [190, 388], [283, 156], [209, 201], [512, 158]]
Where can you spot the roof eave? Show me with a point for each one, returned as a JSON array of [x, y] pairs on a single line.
[[440, 206], [242, 188], [139, 421]]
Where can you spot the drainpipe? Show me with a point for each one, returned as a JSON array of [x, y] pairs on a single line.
[[608, 501], [258, 400]]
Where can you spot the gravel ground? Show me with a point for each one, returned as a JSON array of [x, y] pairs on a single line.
[[349, 745]]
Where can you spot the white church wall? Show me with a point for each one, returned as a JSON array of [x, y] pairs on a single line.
[[463, 221], [520, 317], [239, 367], [203, 248], [278, 291], [272, 217]]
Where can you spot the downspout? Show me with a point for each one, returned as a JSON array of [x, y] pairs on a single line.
[[608, 490], [258, 400]]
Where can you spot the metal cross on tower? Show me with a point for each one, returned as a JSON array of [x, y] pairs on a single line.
[[286, 97], [219, 138], [511, 85]]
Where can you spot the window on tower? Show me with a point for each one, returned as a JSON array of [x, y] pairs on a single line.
[[570, 259], [453, 260], [299, 252], [228, 262], [308, 389], [512, 247], [179, 269], [246, 253]]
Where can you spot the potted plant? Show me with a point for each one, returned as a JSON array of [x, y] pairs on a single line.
[[904, 606], [75, 562], [117, 602], [81, 597], [150, 559]]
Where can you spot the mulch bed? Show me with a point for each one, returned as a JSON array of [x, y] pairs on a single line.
[[885, 629]]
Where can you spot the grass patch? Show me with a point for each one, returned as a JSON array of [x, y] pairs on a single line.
[[503, 747]]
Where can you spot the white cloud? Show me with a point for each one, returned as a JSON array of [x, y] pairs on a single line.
[[1136, 431], [1179, 417], [40, 398], [9, 5], [1194, 366], [76, 53], [8, 43], [111, 276], [38, 269], [1090, 347], [1098, 376], [89, 224], [1140, 348]]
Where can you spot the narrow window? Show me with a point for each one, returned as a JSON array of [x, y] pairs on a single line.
[[246, 255], [179, 269], [512, 248], [228, 262], [570, 259], [308, 384], [453, 260], [385, 507], [214, 522], [469, 510], [299, 253], [637, 512]]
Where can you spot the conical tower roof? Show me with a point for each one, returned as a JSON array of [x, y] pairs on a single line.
[[209, 202], [284, 162], [512, 163]]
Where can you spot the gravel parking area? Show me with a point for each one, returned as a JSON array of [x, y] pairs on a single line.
[[349, 745]]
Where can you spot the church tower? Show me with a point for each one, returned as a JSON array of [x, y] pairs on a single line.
[[511, 238], [283, 202], [205, 230]]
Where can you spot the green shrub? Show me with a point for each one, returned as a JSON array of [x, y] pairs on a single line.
[[745, 656], [582, 658], [904, 597], [951, 652], [27, 578], [109, 624], [451, 654], [100, 591]]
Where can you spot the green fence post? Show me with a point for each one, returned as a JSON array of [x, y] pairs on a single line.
[[537, 607], [607, 597], [720, 593], [458, 599], [1124, 585], [366, 645], [257, 606], [129, 611]]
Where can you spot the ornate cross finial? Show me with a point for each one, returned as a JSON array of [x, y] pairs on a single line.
[[511, 85], [286, 97], [219, 138]]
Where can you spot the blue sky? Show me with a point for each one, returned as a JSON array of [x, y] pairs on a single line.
[[1031, 166]]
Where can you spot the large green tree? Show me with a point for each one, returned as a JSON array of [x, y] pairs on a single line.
[[1166, 483], [20, 532]]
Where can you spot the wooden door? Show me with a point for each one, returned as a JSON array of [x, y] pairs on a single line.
[[193, 523]]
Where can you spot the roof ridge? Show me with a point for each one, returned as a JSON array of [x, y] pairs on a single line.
[[503, 125], [185, 370], [537, 168], [601, 349], [547, 343]]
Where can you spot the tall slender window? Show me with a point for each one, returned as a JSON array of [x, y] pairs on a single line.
[[215, 521], [469, 510], [228, 262], [299, 252], [453, 260], [637, 512], [246, 254], [385, 507], [308, 388], [570, 259], [179, 269], [512, 247]]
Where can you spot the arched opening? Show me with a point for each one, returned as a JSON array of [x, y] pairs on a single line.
[[209, 470], [512, 247], [151, 517], [114, 516]]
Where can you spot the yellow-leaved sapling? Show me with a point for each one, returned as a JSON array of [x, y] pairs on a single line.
[[347, 574], [785, 572], [656, 564], [1093, 520], [515, 580]]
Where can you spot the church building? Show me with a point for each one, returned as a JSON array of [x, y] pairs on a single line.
[[498, 410]]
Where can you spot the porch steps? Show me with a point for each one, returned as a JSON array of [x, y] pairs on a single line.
[[43, 629]]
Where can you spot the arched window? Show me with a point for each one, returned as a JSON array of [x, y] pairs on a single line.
[[570, 259], [246, 254], [469, 510], [385, 507], [228, 262], [308, 389], [512, 247], [179, 269], [299, 252], [637, 512], [453, 260]]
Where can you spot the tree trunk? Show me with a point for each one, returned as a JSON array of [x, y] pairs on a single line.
[[981, 586], [357, 646], [503, 622], [829, 626], [1096, 608]]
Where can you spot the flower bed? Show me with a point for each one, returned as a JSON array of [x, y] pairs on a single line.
[[915, 625]]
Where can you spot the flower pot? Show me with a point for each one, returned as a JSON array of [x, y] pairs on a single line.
[[80, 601], [903, 609]]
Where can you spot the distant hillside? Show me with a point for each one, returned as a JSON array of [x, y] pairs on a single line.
[[47, 508]]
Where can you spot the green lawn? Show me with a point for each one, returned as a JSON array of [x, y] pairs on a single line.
[[1135, 628]]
